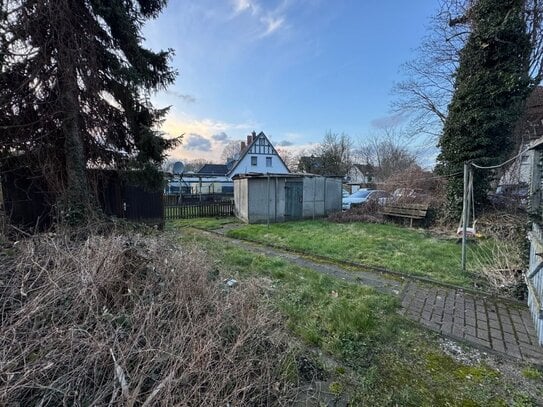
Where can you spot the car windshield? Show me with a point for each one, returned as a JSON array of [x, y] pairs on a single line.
[[361, 194]]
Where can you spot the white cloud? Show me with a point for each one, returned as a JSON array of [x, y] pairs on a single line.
[[272, 24], [241, 6], [203, 137], [271, 20]]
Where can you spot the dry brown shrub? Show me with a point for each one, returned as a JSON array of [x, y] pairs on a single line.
[[504, 257], [132, 320], [367, 213], [503, 226], [501, 266], [428, 187]]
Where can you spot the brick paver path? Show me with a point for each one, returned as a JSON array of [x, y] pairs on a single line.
[[486, 322]]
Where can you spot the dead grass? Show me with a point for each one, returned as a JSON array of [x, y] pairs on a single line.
[[501, 265], [132, 320], [504, 257]]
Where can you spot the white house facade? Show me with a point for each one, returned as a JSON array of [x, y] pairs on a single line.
[[258, 156], [360, 174]]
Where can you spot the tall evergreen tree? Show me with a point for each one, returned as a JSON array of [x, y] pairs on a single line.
[[74, 89], [491, 84]]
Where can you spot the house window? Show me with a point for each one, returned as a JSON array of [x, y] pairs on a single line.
[[524, 159], [254, 160], [268, 161]]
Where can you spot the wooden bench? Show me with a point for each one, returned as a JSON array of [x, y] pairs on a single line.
[[406, 210]]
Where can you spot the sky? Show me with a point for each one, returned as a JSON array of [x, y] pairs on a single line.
[[293, 69]]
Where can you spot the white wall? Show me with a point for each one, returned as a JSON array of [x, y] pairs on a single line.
[[357, 177], [245, 167]]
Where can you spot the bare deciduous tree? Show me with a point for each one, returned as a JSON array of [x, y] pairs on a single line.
[[231, 150], [289, 158], [388, 153], [190, 165], [331, 157]]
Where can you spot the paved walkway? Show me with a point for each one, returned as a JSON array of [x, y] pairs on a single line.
[[486, 322], [483, 321]]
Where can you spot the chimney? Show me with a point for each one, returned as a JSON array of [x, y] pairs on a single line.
[[242, 146], [249, 139]]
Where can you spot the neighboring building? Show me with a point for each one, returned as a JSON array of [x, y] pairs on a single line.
[[360, 174], [214, 169], [270, 198], [199, 184], [534, 276], [530, 125], [519, 171], [528, 129], [258, 156]]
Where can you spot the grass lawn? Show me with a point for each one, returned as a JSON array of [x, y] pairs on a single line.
[[381, 358], [396, 248]]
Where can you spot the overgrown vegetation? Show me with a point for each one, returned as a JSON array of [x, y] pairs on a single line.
[[503, 258], [133, 320], [381, 359], [491, 85], [367, 213]]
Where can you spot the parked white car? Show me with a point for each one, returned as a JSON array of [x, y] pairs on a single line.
[[362, 196]]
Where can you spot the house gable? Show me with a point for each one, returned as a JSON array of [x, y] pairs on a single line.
[[259, 157]]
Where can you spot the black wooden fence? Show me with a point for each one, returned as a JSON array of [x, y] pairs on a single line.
[[200, 210], [28, 204]]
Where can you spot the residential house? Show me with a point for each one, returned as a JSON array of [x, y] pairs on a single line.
[[214, 169], [258, 156], [528, 129], [360, 174]]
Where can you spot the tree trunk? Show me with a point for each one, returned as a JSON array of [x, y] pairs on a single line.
[[76, 202]]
